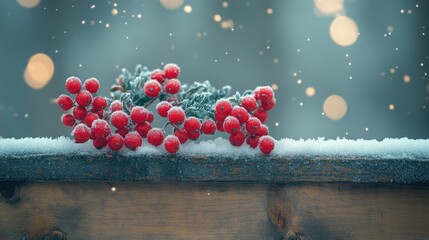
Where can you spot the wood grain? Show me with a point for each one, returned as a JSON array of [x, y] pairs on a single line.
[[138, 211], [351, 211], [178, 167]]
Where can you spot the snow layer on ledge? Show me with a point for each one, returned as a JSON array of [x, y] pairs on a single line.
[[386, 149]]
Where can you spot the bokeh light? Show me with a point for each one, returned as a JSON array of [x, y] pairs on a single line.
[[187, 9], [310, 91], [335, 107], [39, 71], [217, 18], [329, 7], [407, 78], [171, 4], [28, 3], [344, 31]]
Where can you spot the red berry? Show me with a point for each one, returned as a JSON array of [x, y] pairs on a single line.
[[162, 108], [155, 136], [119, 119], [253, 125], [249, 103], [73, 85], [208, 127], [194, 135], [116, 106], [231, 125], [99, 103], [264, 93], [192, 125], [65, 102], [261, 114], [172, 86], [92, 85], [240, 113], [92, 135], [171, 70], [176, 115], [252, 141], [138, 114], [172, 144], [90, 118], [219, 126], [158, 75], [122, 131], [219, 117], [182, 135], [68, 120], [116, 142], [99, 143], [237, 139], [149, 117], [133, 140], [263, 130], [81, 133], [152, 88], [143, 129], [79, 113], [100, 128], [83, 98], [266, 144], [223, 107], [268, 105]]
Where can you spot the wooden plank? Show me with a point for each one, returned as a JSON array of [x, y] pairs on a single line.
[[179, 167], [351, 211], [136, 211]]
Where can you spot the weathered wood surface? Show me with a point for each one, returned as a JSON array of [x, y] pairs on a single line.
[[174, 168], [137, 210]]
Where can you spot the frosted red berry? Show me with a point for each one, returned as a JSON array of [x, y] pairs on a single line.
[[192, 124], [261, 114], [219, 126], [269, 104], [158, 75], [264, 93], [90, 118], [172, 86], [155, 136], [68, 120], [133, 140], [143, 129], [99, 143], [252, 141], [99, 103], [138, 114], [172, 144], [162, 108], [266, 144], [122, 131], [249, 103], [171, 70], [92, 85], [81, 133], [231, 125], [194, 135], [149, 117], [182, 135], [208, 127], [73, 85], [223, 107], [152, 88], [176, 115], [100, 128], [252, 125], [219, 117], [116, 106], [237, 139], [79, 113], [65, 102], [116, 142], [263, 130], [83, 98], [240, 113], [119, 119]]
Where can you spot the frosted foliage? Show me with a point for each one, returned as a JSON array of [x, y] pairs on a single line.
[[387, 149]]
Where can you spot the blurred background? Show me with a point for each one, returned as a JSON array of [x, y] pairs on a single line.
[[352, 68]]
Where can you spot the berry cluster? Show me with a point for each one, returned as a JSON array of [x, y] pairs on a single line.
[[124, 120]]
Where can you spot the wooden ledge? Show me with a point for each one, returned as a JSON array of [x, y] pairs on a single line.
[[212, 168]]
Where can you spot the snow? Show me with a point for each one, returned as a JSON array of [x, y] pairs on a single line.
[[386, 149]]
